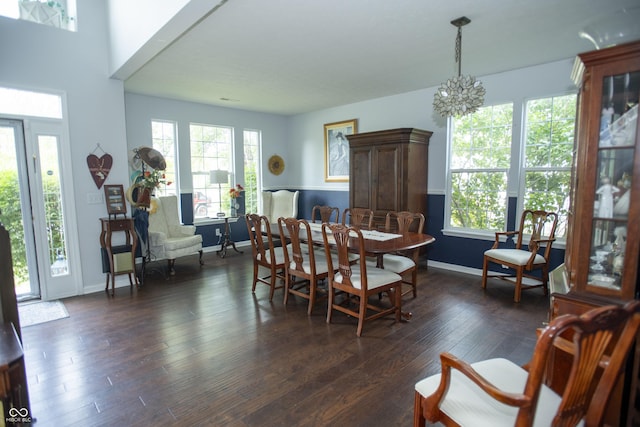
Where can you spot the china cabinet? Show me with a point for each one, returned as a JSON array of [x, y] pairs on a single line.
[[388, 171], [602, 252]]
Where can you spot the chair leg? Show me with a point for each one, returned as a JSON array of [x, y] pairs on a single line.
[[418, 418], [312, 295], [287, 284], [362, 313], [200, 257], [485, 268], [414, 282], [272, 283], [518, 292], [255, 277], [545, 280], [330, 297]]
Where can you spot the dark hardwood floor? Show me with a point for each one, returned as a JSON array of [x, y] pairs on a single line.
[[199, 349]]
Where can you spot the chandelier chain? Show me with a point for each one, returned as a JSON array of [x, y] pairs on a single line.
[[459, 51]]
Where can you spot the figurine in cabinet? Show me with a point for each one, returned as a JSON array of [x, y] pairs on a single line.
[[606, 191]]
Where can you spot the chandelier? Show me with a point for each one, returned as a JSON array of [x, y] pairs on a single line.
[[460, 95]]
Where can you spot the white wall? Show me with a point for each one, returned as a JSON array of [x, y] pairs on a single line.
[[414, 109], [141, 109], [41, 57]]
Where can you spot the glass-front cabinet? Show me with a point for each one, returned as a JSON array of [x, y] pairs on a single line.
[[603, 238], [602, 254]]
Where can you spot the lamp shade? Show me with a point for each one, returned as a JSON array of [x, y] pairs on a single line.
[[218, 177]]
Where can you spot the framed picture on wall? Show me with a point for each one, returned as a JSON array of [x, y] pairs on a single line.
[[114, 196], [336, 150]]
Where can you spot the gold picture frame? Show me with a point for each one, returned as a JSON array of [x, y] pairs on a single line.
[[114, 197], [336, 150]]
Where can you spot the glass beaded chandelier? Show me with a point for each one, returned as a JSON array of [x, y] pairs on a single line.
[[460, 95]]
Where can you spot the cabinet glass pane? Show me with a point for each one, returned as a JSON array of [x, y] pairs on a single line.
[[616, 151]]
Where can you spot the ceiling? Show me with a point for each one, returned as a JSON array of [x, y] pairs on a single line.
[[296, 56]]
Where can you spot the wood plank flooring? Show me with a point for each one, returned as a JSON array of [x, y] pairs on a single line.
[[199, 349]]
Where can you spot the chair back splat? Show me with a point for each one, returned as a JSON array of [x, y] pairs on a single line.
[[325, 214], [498, 392], [524, 259], [358, 217]]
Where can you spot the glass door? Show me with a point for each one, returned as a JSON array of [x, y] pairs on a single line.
[[16, 209]]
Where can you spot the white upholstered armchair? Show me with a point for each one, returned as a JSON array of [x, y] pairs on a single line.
[[168, 238], [281, 203]]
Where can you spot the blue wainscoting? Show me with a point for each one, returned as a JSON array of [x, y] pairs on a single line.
[[461, 251]]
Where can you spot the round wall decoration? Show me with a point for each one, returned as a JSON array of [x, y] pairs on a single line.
[[276, 164]]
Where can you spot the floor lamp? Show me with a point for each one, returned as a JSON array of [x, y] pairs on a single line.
[[219, 177]]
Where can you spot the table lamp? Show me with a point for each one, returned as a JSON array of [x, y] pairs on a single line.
[[219, 177]]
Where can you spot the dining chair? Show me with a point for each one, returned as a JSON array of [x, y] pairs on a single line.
[[358, 217], [358, 282], [305, 263], [404, 262], [523, 259], [325, 214], [265, 253], [497, 392]]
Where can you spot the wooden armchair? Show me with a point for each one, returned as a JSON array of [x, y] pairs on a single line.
[[541, 226], [325, 214], [498, 392]]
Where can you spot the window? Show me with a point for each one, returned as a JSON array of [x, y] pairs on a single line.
[[211, 149], [548, 148], [482, 168], [163, 137], [251, 170], [480, 155], [56, 13]]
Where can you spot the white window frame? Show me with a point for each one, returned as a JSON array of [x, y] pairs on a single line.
[[515, 176], [219, 164]]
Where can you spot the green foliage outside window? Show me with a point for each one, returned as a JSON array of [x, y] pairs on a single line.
[[481, 157], [12, 221]]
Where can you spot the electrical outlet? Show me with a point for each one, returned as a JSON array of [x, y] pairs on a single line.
[[218, 233]]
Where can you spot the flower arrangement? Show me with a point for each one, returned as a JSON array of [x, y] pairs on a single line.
[[153, 179], [236, 191]]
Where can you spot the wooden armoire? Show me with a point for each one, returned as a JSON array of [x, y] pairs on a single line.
[[388, 171]]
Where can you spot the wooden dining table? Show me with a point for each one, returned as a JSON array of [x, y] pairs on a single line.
[[376, 243]]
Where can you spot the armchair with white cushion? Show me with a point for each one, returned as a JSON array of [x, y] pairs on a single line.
[[281, 203], [168, 238]]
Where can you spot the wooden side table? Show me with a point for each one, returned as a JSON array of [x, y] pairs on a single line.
[[120, 263], [225, 239]]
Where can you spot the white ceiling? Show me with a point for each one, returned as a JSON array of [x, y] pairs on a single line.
[[296, 56]]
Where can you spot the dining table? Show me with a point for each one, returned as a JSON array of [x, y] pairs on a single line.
[[376, 243]]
